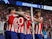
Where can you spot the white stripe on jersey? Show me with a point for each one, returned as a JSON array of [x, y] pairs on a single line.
[[15, 24]]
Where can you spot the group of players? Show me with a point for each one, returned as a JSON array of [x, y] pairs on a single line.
[[20, 25]]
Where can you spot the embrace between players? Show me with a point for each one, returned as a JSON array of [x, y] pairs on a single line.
[[20, 22]]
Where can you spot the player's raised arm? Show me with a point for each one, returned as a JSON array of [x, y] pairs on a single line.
[[36, 20], [37, 16], [20, 13]]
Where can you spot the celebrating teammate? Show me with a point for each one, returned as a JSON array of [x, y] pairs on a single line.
[[10, 29], [38, 25], [28, 25]]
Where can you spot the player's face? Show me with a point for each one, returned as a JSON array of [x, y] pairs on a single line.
[[13, 11], [39, 14]]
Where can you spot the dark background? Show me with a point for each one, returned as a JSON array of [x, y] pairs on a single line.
[[42, 2]]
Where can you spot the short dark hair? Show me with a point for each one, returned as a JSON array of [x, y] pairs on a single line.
[[11, 8], [36, 11]]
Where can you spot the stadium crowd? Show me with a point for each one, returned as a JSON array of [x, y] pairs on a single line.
[[47, 20]]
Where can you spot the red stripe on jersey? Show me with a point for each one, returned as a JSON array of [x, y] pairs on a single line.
[[10, 20], [40, 27], [28, 23]]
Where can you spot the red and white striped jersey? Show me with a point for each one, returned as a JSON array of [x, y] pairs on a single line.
[[28, 24], [21, 21], [28, 21], [21, 25], [40, 26], [15, 25], [10, 19]]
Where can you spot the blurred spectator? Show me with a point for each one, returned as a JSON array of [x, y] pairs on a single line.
[[49, 34], [44, 33], [2, 26]]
